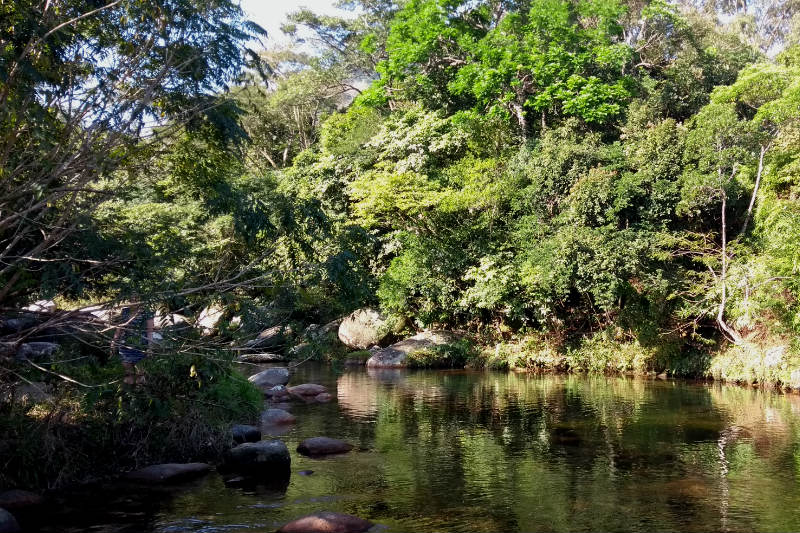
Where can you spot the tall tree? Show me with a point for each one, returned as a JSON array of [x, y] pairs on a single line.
[[88, 88]]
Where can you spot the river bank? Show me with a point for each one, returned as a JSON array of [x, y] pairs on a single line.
[[464, 450]]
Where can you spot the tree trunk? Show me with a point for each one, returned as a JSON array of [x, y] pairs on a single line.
[[523, 122], [733, 334], [764, 149]]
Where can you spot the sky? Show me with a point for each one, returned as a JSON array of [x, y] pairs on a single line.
[[270, 14]]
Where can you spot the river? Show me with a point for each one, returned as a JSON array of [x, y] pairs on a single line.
[[483, 451]]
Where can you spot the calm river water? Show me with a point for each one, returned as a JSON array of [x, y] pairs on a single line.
[[475, 451]]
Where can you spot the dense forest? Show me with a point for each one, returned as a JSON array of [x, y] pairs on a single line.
[[574, 185]]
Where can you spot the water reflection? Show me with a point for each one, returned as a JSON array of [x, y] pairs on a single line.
[[466, 451]]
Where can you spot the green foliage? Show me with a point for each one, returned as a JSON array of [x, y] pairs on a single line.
[[182, 413], [455, 355]]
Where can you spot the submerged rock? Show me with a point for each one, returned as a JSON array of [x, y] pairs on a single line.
[[18, 499], [277, 392], [323, 397], [363, 328], [8, 524], [395, 356], [307, 389], [168, 473], [242, 433], [266, 458], [277, 417], [327, 522], [270, 377], [323, 446]]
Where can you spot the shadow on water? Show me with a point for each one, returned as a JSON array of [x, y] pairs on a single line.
[[474, 451]]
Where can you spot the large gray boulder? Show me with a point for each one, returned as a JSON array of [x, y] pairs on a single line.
[[265, 459], [364, 328], [8, 524], [270, 377], [327, 522], [168, 473], [208, 319], [395, 356], [323, 446]]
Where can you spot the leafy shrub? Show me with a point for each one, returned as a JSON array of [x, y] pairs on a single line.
[[455, 355]]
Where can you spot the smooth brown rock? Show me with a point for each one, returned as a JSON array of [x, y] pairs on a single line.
[[327, 522], [307, 389], [323, 397], [323, 446], [168, 473], [277, 417]]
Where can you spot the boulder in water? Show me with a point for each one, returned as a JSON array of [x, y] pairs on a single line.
[[242, 433], [307, 389], [324, 397], [327, 522], [323, 446], [266, 459], [270, 377], [168, 473], [277, 417]]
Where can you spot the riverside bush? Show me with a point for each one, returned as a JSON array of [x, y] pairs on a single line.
[[183, 412]]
